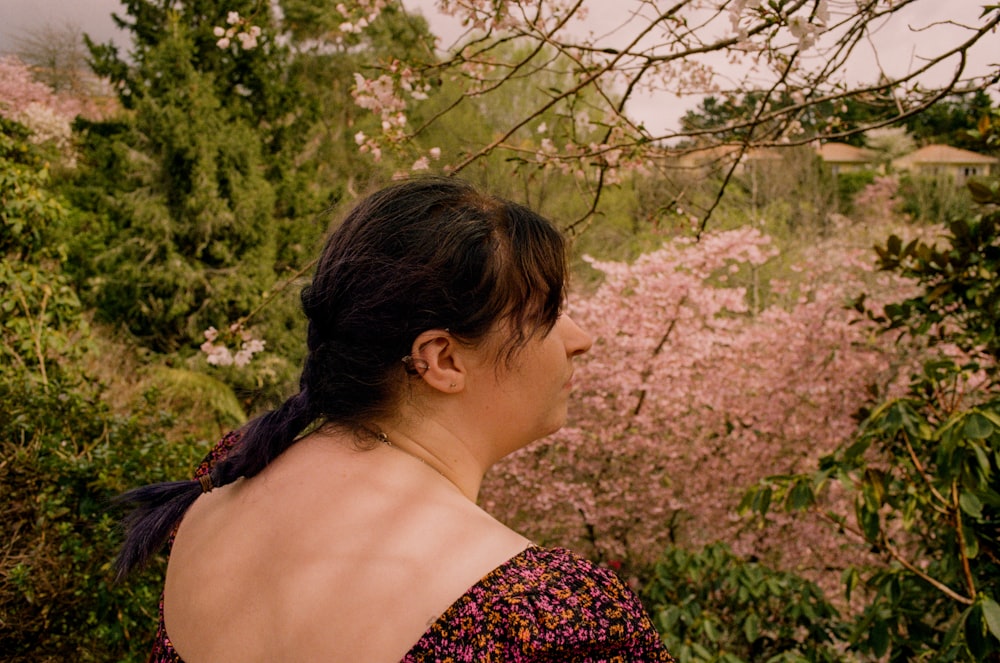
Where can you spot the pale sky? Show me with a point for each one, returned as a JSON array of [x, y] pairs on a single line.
[[900, 46], [91, 16]]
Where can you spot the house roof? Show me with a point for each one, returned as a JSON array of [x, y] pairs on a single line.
[[725, 154], [943, 154], [844, 153]]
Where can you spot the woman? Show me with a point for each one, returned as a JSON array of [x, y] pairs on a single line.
[[343, 526]]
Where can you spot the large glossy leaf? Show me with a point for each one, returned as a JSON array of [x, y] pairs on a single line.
[[991, 615], [977, 426]]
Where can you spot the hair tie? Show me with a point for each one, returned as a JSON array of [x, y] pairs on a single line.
[[206, 483]]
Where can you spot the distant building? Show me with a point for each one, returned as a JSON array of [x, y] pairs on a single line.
[[721, 157], [946, 160], [844, 158]]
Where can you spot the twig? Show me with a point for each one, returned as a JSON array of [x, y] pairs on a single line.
[[648, 371], [920, 468], [970, 582], [36, 332], [937, 584], [274, 292]]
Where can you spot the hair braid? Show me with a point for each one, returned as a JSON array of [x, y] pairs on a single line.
[[157, 508]]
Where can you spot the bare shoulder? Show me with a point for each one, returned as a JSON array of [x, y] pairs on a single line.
[[327, 552]]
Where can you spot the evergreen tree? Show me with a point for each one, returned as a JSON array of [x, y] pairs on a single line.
[[250, 81], [733, 116], [953, 121], [188, 234]]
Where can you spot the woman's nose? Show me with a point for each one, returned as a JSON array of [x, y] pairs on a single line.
[[577, 340]]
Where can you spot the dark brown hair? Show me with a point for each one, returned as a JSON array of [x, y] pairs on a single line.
[[422, 254]]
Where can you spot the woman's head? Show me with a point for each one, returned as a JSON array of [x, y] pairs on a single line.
[[418, 255], [428, 254]]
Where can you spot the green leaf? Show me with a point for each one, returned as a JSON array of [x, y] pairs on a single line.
[[801, 496], [856, 450], [879, 638], [747, 501], [971, 542], [668, 618], [993, 417], [711, 633], [914, 424], [868, 519], [701, 651], [991, 615], [850, 578], [762, 501], [975, 632], [977, 427], [971, 504], [873, 488], [751, 627], [894, 244], [984, 460]]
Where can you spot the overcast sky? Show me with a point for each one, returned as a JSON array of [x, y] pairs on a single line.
[[91, 16], [902, 54]]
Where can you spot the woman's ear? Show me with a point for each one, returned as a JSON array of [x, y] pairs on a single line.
[[438, 359]]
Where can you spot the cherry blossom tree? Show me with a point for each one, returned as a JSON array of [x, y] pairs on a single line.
[[688, 397], [794, 56], [35, 105]]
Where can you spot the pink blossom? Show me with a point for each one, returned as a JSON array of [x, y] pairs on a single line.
[[48, 115], [221, 355], [685, 385], [217, 355]]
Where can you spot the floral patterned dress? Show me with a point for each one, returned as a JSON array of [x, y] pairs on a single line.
[[543, 604]]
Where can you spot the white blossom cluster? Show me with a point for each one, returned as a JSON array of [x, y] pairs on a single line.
[[221, 355], [360, 15], [240, 29], [381, 96]]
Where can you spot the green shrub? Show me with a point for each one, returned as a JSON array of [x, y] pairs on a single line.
[[63, 453], [850, 184], [933, 198], [712, 606], [922, 468], [65, 456]]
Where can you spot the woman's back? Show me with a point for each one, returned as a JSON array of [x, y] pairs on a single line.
[[331, 553]]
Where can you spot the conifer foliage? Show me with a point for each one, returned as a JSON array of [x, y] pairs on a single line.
[[187, 208]]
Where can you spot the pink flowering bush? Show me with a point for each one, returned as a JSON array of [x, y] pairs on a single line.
[[877, 198], [47, 114], [688, 397]]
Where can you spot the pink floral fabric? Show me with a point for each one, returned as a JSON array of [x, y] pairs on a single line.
[[545, 604]]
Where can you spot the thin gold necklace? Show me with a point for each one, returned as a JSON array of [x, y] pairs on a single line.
[[384, 439]]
